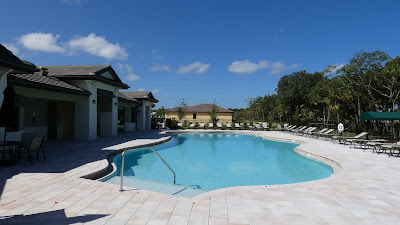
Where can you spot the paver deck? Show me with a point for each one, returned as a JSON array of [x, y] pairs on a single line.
[[364, 191]]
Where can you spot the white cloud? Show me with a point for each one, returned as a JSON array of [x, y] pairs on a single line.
[[12, 48], [196, 67], [97, 46], [41, 42], [247, 67], [127, 70], [160, 67], [141, 89]]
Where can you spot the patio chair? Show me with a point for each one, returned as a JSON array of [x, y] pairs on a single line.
[[349, 139], [35, 145], [219, 126], [229, 126], [300, 129], [180, 125], [237, 126], [201, 125], [210, 125], [391, 148], [265, 126], [191, 126], [318, 132], [327, 134], [308, 131]]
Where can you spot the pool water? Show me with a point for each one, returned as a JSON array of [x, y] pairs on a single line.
[[209, 161]]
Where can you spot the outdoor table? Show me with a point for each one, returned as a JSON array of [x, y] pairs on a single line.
[[10, 147]]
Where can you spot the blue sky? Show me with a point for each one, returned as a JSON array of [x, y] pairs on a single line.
[[199, 50]]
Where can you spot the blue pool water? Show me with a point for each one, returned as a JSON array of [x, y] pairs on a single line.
[[212, 161]]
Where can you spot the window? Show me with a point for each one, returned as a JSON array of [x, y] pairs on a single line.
[[194, 116]]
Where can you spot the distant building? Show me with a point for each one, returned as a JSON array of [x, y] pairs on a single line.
[[72, 102], [200, 113]]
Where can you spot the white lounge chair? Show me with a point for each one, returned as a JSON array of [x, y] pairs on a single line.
[[210, 125], [229, 126], [391, 148], [191, 126], [180, 125], [348, 139], [265, 126], [318, 132], [237, 126], [201, 125], [219, 126]]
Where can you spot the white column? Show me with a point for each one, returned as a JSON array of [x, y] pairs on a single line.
[[114, 116], [141, 116]]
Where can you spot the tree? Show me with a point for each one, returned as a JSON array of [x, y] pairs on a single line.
[[160, 111], [213, 113], [181, 109]]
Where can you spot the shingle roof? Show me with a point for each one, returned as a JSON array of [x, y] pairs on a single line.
[[201, 108], [123, 97], [75, 70], [9, 60], [85, 72], [45, 82], [140, 95]]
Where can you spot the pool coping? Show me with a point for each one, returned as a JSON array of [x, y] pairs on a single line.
[[338, 170]]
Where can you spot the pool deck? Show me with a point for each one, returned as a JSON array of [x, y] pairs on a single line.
[[365, 191]]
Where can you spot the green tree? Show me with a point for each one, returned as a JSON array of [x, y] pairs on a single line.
[[182, 109], [160, 111], [213, 113]]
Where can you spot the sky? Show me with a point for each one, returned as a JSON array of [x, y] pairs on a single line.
[[200, 51]]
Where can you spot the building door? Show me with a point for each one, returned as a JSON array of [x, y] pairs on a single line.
[[52, 120]]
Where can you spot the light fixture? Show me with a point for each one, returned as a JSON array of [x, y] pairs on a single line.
[[115, 103], [94, 101]]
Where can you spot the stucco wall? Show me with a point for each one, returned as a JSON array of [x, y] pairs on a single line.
[[201, 117]]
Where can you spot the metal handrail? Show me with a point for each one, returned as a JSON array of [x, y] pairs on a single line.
[[123, 160]]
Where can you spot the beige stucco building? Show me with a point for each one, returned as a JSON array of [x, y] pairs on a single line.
[[200, 114]]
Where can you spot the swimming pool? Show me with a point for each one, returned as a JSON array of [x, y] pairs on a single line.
[[209, 161]]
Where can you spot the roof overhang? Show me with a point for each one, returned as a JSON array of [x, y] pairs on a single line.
[[25, 83], [380, 116]]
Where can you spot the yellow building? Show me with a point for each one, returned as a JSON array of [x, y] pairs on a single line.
[[200, 114]]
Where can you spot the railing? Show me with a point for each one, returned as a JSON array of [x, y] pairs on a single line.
[[123, 160]]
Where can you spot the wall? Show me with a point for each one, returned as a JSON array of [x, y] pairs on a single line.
[[143, 116], [201, 117], [3, 82]]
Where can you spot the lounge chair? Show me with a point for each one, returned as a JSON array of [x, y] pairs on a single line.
[[219, 126], [375, 143], [391, 148], [300, 129], [318, 132], [265, 126], [210, 125], [201, 125], [180, 125], [327, 134], [229, 126], [35, 145], [348, 139], [289, 127], [237, 126], [308, 131], [192, 125]]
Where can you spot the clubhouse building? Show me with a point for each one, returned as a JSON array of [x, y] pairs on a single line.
[[71, 102]]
